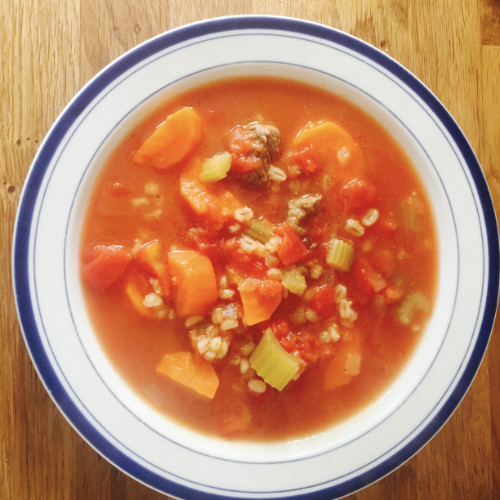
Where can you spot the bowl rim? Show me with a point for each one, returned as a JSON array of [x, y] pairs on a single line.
[[26, 210]]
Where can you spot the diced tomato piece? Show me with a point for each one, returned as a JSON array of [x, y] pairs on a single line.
[[368, 281], [208, 242], [150, 258], [305, 159], [291, 249], [104, 264], [244, 164], [280, 328], [323, 301], [306, 345], [241, 263], [143, 297], [356, 194], [285, 336]]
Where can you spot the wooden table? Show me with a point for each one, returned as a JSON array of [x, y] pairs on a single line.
[[50, 48]]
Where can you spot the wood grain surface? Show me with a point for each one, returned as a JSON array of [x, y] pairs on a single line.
[[50, 48]]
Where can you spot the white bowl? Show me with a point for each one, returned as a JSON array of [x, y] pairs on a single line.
[[65, 350]]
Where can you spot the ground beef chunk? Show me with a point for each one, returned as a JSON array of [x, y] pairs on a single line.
[[253, 147], [302, 208]]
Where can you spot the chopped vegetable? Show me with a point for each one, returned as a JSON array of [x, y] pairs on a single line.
[[195, 373], [195, 286], [412, 303], [211, 201], [340, 255], [345, 363], [149, 256], [260, 230], [291, 249], [302, 159], [293, 280], [323, 300], [368, 280], [172, 141], [411, 214], [104, 264], [328, 144], [260, 298], [271, 362], [356, 194], [216, 168], [145, 300]]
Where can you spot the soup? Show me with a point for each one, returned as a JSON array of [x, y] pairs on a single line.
[[259, 259]]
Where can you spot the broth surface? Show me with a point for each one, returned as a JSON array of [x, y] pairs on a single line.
[[394, 262]]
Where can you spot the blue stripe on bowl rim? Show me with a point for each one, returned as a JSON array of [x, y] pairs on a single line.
[[71, 114]]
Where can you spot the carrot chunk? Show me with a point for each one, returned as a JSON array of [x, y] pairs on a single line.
[[260, 298], [104, 264], [328, 144], [195, 286], [291, 249], [172, 141], [209, 200], [194, 373], [345, 363]]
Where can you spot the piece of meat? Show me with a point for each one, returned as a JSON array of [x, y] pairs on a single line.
[[253, 147], [266, 140], [302, 208]]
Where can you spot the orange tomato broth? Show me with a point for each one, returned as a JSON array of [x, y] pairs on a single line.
[[136, 344]]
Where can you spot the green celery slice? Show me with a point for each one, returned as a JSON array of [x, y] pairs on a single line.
[[272, 363], [340, 255], [294, 281], [260, 230], [216, 168]]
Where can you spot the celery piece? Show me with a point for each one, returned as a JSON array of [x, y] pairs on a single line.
[[340, 255], [293, 280], [413, 302], [260, 230], [271, 362], [216, 168], [411, 213]]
